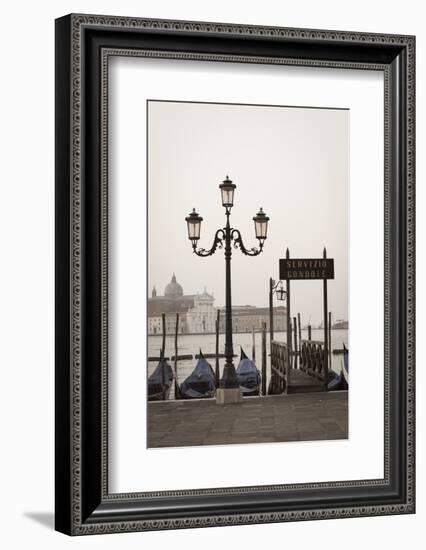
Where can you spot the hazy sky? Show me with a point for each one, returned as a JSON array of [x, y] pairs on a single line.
[[291, 161]]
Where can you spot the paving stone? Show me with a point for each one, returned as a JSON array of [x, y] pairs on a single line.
[[296, 417]]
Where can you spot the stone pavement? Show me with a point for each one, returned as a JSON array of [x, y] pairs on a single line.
[[298, 417]]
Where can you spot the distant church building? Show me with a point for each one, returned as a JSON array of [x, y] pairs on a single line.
[[197, 313]]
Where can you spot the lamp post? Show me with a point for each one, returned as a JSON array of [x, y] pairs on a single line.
[[224, 238], [278, 289]]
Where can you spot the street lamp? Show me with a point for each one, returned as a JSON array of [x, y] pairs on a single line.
[[281, 293], [278, 289], [227, 236], [227, 189], [194, 226], [261, 225]]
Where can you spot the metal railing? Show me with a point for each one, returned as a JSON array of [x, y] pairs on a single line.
[[313, 359], [280, 368]]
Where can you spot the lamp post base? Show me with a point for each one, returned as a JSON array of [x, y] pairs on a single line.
[[226, 396]]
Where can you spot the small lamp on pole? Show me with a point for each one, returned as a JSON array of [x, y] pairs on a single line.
[[281, 293]]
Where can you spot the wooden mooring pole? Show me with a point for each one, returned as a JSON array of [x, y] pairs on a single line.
[[176, 357], [253, 345], [325, 361], [163, 343], [217, 348], [299, 326], [271, 310], [263, 358], [287, 255], [162, 354], [329, 339], [309, 332], [295, 342]]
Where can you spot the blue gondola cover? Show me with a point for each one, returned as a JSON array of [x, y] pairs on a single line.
[[345, 366], [200, 383], [160, 381], [248, 375], [334, 380]]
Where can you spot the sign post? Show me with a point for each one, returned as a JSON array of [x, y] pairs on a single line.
[[308, 269], [287, 256], [324, 255], [271, 310]]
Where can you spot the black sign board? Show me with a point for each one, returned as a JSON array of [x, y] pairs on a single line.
[[306, 268]]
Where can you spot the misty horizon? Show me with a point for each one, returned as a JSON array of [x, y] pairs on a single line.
[[293, 162]]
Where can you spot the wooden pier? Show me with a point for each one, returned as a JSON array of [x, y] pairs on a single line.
[[278, 418], [287, 378], [303, 383]]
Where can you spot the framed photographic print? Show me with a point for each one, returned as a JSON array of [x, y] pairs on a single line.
[[234, 226]]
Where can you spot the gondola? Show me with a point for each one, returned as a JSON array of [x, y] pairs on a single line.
[[248, 376], [340, 381], [336, 381], [160, 381], [200, 383], [345, 365]]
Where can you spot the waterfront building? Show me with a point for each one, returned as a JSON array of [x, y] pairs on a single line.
[[340, 324], [197, 313], [201, 317], [246, 318]]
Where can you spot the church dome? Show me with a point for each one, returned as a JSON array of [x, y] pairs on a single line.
[[173, 289]]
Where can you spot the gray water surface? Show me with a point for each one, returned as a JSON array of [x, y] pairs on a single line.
[[191, 344]]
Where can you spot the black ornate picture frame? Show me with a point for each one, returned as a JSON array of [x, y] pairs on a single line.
[[84, 44]]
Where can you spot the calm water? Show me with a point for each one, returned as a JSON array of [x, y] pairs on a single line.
[[207, 342]]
